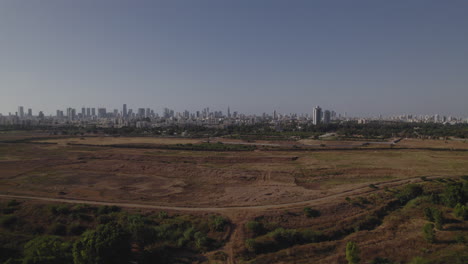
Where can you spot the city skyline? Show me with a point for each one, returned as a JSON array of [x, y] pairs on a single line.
[[361, 58]]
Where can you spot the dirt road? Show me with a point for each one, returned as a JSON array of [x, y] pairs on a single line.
[[360, 190]]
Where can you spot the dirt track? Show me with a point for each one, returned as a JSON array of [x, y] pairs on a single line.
[[360, 190]]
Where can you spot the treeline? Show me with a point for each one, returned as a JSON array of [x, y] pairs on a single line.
[[293, 130], [36, 234]]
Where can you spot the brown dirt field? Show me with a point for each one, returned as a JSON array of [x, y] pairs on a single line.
[[431, 143], [121, 140]]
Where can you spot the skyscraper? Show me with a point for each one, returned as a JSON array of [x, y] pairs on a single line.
[[30, 112], [326, 117], [21, 111], [317, 115], [124, 110]]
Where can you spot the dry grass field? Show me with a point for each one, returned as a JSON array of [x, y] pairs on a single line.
[[273, 186], [121, 140]]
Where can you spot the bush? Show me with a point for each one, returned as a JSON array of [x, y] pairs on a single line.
[[251, 245], [460, 239], [428, 214], [60, 209], [58, 229], [47, 250], [461, 211], [256, 228], [455, 193], [352, 253], [8, 221], [438, 218], [218, 223], [13, 203], [76, 229], [309, 212], [104, 219], [428, 232], [379, 260], [109, 243], [409, 192]]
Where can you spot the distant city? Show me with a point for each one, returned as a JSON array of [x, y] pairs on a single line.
[[147, 117]]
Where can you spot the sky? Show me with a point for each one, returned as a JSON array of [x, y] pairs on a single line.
[[360, 57]]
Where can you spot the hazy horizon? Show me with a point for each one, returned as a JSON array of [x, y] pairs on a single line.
[[361, 57]]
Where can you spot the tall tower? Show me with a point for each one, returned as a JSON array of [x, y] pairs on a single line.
[[229, 112], [21, 111], [124, 112], [317, 115], [326, 117]]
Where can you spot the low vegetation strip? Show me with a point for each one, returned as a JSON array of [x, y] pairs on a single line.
[[191, 147]]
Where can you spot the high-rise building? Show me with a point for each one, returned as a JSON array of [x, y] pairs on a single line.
[[30, 112], [326, 117], [88, 112], [83, 112], [124, 110], [93, 111], [21, 111], [102, 112], [141, 112], [317, 115]]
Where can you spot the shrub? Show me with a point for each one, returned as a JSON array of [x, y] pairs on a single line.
[[309, 212], [13, 203], [256, 228], [379, 260], [428, 232], [47, 250], [58, 229], [220, 255], [352, 253], [438, 218], [218, 223], [461, 211], [104, 219], [251, 245], [454, 193], [60, 209], [428, 214], [76, 229], [109, 243], [460, 239], [409, 192], [8, 221]]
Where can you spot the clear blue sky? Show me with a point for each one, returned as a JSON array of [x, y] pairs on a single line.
[[363, 57]]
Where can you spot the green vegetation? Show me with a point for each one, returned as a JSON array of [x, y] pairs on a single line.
[[428, 232], [352, 253], [47, 250], [311, 213], [86, 234]]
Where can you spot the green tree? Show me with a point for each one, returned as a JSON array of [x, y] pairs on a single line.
[[438, 218], [409, 192], [47, 250], [109, 243], [352, 253], [461, 211], [455, 193], [428, 232], [255, 227], [309, 212]]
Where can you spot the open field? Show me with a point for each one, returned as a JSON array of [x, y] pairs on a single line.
[[271, 187], [121, 140], [187, 178]]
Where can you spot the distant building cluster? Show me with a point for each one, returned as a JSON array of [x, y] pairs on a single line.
[[146, 117]]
